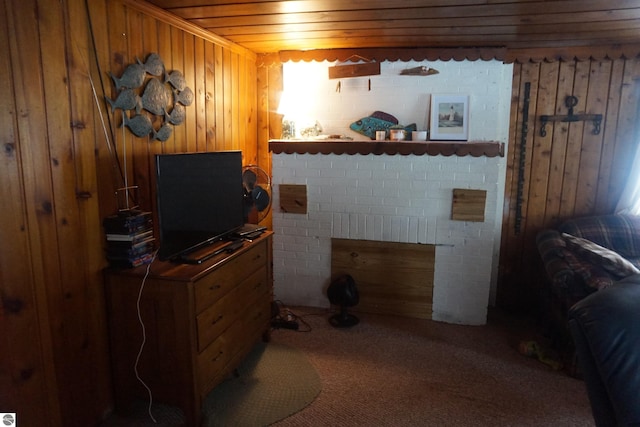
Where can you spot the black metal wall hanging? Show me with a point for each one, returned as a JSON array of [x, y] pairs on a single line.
[[570, 102], [522, 161], [148, 86]]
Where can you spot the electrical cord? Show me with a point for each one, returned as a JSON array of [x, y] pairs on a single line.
[[284, 317], [144, 338]]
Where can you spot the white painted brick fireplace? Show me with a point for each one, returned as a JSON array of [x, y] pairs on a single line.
[[397, 198], [390, 198]]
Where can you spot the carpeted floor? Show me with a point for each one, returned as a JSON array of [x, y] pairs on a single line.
[[273, 382], [394, 371]]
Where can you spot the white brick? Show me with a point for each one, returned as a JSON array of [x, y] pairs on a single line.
[[397, 198]]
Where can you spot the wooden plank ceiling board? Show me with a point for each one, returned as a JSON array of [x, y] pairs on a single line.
[[300, 25]]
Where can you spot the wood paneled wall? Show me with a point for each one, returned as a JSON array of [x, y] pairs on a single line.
[[58, 174], [570, 172], [58, 177]]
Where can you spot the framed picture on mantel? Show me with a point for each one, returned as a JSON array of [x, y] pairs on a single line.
[[449, 117]]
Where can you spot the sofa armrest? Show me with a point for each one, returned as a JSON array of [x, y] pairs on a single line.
[[551, 246], [606, 331]]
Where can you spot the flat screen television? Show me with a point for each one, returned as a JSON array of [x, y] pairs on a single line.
[[200, 200]]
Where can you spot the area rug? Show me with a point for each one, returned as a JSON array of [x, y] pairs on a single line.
[[273, 382]]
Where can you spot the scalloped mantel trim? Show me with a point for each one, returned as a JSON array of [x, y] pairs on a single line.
[[429, 148]]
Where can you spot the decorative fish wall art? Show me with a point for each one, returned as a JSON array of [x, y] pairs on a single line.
[[146, 89], [378, 120]]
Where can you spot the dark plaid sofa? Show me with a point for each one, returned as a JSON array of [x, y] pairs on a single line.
[[574, 273]]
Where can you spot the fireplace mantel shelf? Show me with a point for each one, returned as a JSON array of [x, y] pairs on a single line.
[[430, 148]]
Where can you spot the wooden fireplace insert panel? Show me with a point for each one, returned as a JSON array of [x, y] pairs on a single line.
[[391, 277]]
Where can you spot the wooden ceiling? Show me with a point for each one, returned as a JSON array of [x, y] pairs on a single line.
[[274, 26]]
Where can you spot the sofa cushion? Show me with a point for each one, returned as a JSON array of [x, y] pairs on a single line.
[[620, 233], [610, 260], [593, 275]]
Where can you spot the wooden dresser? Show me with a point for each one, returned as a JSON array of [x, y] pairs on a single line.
[[200, 322]]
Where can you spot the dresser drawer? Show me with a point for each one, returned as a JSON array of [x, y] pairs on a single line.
[[233, 344], [215, 319], [211, 288], [213, 360]]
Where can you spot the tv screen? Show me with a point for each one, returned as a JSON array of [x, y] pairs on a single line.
[[200, 199]]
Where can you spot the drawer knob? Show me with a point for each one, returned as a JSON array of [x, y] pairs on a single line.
[[214, 287], [217, 320], [215, 359]]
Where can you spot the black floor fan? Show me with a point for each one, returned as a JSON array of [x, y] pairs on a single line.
[[342, 292]]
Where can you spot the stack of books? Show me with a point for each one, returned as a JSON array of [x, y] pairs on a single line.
[[129, 239]]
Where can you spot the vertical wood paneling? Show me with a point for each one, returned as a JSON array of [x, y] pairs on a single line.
[[210, 96], [511, 261], [227, 102], [86, 349], [188, 71], [200, 90], [165, 52], [608, 137], [151, 41], [571, 172], [139, 147], [235, 103], [27, 379], [177, 63], [25, 51], [59, 174], [589, 170], [219, 97], [555, 135]]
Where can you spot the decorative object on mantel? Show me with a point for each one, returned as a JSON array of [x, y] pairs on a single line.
[[571, 101], [419, 71], [449, 117], [379, 120], [164, 95]]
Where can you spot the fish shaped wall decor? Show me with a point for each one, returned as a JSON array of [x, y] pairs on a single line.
[[163, 133], [419, 71], [155, 97], [176, 79], [140, 125], [177, 115], [384, 116], [126, 100], [368, 126], [148, 86], [132, 78], [184, 97], [153, 65]]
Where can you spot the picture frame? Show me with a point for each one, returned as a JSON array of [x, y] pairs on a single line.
[[449, 118]]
